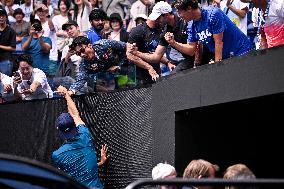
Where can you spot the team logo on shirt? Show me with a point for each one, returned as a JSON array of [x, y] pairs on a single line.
[[204, 35]]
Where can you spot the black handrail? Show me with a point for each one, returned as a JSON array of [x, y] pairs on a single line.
[[206, 182]]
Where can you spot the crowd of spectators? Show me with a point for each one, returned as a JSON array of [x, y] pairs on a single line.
[[95, 45], [203, 169]]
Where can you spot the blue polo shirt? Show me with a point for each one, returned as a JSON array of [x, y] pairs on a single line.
[[77, 157], [93, 35], [214, 21], [40, 58]]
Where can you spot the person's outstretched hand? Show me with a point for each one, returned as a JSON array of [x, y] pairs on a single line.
[[104, 155], [62, 90]]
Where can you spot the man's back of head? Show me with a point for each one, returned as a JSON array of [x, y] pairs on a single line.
[[66, 126]]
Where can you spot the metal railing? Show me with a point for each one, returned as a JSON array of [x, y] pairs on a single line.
[[206, 182]]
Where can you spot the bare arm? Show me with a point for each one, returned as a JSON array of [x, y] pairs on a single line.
[[44, 46], [72, 109], [27, 43], [7, 48], [164, 60], [34, 86], [146, 2], [142, 64], [87, 3], [50, 25], [152, 57], [240, 12], [218, 39], [138, 61], [188, 48]]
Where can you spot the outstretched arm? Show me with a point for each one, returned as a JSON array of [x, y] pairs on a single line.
[[148, 57], [72, 109], [188, 48]]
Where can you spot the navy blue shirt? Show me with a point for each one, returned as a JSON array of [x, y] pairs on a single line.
[[108, 53], [146, 39]]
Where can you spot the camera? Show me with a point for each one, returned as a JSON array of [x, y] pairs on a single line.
[[37, 27]]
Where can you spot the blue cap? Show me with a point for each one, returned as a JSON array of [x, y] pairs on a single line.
[[66, 126]]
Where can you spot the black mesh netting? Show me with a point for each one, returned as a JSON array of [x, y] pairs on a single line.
[[122, 120]]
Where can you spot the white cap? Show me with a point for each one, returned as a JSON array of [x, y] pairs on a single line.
[[163, 170], [160, 8]]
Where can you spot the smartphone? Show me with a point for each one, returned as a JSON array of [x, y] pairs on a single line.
[[17, 75]]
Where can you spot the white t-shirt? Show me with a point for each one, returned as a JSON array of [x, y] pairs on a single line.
[[139, 8], [27, 11], [6, 80], [83, 21], [43, 91], [274, 24], [241, 23], [11, 18], [58, 21], [75, 59], [52, 35]]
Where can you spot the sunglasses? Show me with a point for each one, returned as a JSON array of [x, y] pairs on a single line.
[[80, 51]]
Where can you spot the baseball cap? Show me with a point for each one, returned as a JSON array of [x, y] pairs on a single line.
[[66, 126], [3, 12], [160, 8], [69, 23]]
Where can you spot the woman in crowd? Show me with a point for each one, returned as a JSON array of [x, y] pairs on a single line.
[[58, 21], [22, 29], [82, 9], [118, 32]]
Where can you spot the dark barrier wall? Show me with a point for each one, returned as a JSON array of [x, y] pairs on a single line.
[[183, 124], [121, 120], [145, 126]]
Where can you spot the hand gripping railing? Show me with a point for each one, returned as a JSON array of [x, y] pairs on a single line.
[[207, 182]]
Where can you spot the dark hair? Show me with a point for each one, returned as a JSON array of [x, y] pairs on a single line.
[[18, 11], [36, 21], [68, 5], [97, 14], [185, 4], [66, 2], [116, 16], [24, 57], [76, 10], [80, 40]]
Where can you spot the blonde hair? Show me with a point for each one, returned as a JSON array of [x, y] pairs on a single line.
[[238, 171], [199, 168]]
